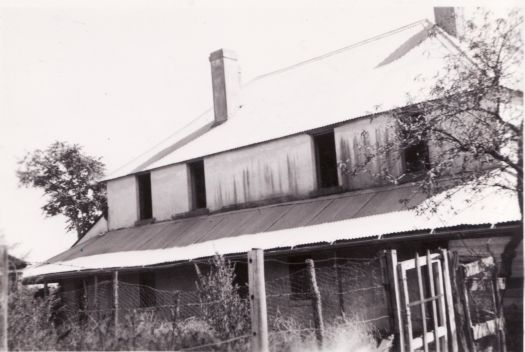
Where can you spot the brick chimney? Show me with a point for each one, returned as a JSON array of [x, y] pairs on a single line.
[[226, 84], [450, 19]]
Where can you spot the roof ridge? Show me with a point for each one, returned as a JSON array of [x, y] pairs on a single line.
[[157, 145], [340, 50]]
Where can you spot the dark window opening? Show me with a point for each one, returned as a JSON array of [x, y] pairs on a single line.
[[299, 278], [145, 207], [414, 137], [326, 160], [198, 184], [241, 279], [147, 295], [416, 157]]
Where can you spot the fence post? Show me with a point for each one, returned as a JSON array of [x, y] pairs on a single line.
[[259, 340], [95, 296], [339, 280], [391, 266], [4, 288], [316, 302], [450, 302], [84, 295], [115, 301], [176, 306]]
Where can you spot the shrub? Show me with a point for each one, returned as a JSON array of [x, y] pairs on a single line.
[[45, 323], [221, 304], [30, 324]]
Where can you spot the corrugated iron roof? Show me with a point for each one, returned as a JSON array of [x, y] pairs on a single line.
[[348, 83], [339, 217], [188, 231]]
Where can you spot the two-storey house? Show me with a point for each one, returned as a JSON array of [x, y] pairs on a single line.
[[262, 169]]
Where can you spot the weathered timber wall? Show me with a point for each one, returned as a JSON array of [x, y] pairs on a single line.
[[122, 202], [278, 168], [170, 191], [366, 138]]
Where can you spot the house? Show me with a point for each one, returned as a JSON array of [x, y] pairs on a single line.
[[16, 265], [262, 170]]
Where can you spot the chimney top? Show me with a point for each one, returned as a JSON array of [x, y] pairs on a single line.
[[450, 19], [226, 84], [223, 53]]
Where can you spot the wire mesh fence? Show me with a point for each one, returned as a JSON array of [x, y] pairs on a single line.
[[328, 301], [118, 314], [351, 293], [351, 296]]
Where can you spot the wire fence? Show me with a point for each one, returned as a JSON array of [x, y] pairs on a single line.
[[349, 289], [215, 316], [205, 306], [131, 314]]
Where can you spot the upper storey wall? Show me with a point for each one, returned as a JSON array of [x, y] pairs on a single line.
[[170, 191], [360, 139], [284, 167], [122, 202]]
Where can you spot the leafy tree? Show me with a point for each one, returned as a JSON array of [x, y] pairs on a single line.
[[68, 178], [472, 116]]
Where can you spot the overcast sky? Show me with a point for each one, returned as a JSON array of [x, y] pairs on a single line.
[[118, 76]]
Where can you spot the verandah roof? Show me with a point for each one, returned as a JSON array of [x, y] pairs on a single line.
[[348, 216]]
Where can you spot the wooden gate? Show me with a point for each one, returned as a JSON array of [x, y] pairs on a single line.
[[422, 301], [430, 293]]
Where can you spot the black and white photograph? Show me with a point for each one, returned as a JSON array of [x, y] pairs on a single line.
[[295, 176]]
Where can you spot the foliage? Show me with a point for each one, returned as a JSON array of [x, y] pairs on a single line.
[[230, 315], [68, 178], [30, 320], [220, 321], [475, 118], [472, 120]]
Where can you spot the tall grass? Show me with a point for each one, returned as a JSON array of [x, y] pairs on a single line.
[[44, 322]]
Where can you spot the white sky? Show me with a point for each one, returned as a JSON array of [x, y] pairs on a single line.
[[117, 76]]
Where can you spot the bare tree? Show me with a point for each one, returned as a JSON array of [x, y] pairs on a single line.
[[472, 120]]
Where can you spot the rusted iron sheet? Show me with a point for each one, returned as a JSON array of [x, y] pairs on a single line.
[[183, 232]]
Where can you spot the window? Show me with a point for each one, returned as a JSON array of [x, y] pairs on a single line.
[[326, 161], [144, 185], [147, 290], [197, 184], [414, 137], [299, 279]]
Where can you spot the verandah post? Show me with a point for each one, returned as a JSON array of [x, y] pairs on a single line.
[[115, 301], [316, 303], [259, 339]]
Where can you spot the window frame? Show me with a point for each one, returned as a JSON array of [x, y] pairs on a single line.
[[424, 158], [145, 199], [322, 180], [197, 202], [147, 287]]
